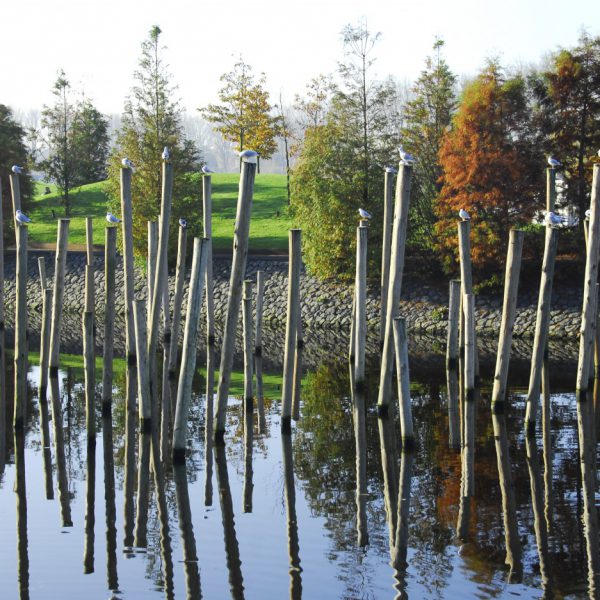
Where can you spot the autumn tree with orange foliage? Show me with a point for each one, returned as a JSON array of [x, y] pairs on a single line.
[[491, 168]]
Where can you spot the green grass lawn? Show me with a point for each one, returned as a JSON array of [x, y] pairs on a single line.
[[268, 227]]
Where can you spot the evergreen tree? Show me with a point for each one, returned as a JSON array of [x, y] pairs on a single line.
[[490, 168], [426, 117], [152, 120], [91, 142], [13, 151]]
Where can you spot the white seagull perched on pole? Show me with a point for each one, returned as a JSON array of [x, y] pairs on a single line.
[[365, 214], [183, 223], [21, 217], [207, 170], [249, 156], [165, 154], [588, 212], [405, 157], [554, 162], [16, 169], [391, 170], [127, 164], [112, 219], [553, 219], [464, 215]]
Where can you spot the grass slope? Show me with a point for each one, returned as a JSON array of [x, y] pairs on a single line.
[[268, 227]]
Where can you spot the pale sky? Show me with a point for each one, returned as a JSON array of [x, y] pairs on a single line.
[[98, 43]]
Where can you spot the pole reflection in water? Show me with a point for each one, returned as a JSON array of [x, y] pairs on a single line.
[[109, 497], [190, 557], [21, 492], [129, 484], [292, 521], [232, 551], [59, 450], [90, 514], [143, 491], [389, 466], [248, 473], [401, 542], [47, 454], [260, 399], [360, 437], [453, 417], [547, 445], [539, 520], [208, 423]]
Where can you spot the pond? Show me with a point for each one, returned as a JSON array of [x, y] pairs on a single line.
[[272, 516]]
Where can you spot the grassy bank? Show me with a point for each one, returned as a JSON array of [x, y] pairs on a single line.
[[268, 229]]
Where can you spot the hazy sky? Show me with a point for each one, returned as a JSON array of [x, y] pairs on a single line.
[[98, 43]]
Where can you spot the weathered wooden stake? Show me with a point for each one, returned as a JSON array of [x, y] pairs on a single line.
[[388, 214], [128, 265], [110, 269], [291, 330], [298, 370], [45, 340], [238, 268], [404, 402], [15, 188], [62, 243], [20, 406], [550, 189], [89, 378], [452, 346], [188, 354], [248, 343], [541, 329], [258, 327], [177, 301], [165, 411], [360, 287], [207, 220], [139, 318], [151, 267], [89, 269], [469, 412], [401, 205]]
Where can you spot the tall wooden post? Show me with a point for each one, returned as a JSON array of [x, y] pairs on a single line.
[[395, 286], [15, 188], [128, 265], [110, 268], [188, 355], [550, 189], [151, 266], [89, 270], [297, 388], [469, 412], [58, 293], [207, 220], [142, 366], [360, 287], [388, 214], [404, 402], [238, 268], [177, 300], [452, 364], [291, 330], [20, 406]]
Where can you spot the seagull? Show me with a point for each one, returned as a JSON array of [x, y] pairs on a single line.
[[207, 170], [553, 219], [165, 154], [249, 156], [112, 219], [464, 215], [365, 214], [405, 157], [21, 217], [183, 223], [588, 212], [127, 163], [391, 170], [554, 162], [16, 169]]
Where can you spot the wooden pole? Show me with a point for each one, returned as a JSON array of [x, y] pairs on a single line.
[[177, 300], [58, 293], [298, 370], [541, 328], [401, 538], [188, 355], [291, 330], [361, 304], [388, 214], [165, 412], [151, 266], [550, 189], [15, 188], [404, 402], [110, 509], [89, 269], [469, 413], [128, 265], [89, 378], [20, 405], [248, 343], [210, 301], [143, 483], [260, 404], [452, 345], [291, 519], [45, 340], [139, 319], [130, 463], [238, 268], [401, 205], [110, 269], [352, 338], [2, 332], [90, 509], [248, 486]]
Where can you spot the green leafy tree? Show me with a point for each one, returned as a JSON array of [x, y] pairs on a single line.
[[567, 114], [152, 120], [243, 116], [13, 151], [426, 118], [490, 168], [91, 142]]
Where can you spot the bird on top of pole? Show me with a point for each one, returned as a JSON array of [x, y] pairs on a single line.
[[365, 215], [406, 157], [166, 156], [464, 215], [182, 223], [391, 170], [554, 162], [207, 170], [21, 217], [16, 169], [127, 164], [112, 219], [554, 220], [249, 156]]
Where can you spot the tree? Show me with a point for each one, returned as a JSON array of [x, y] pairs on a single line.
[[152, 120], [244, 115], [426, 117], [312, 109], [75, 141], [13, 151], [490, 168], [567, 113]]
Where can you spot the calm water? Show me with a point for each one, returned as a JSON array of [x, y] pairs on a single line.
[[281, 518]]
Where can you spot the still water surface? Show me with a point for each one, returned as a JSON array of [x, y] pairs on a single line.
[[278, 518]]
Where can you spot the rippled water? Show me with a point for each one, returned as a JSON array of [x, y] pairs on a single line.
[[281, 517]]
